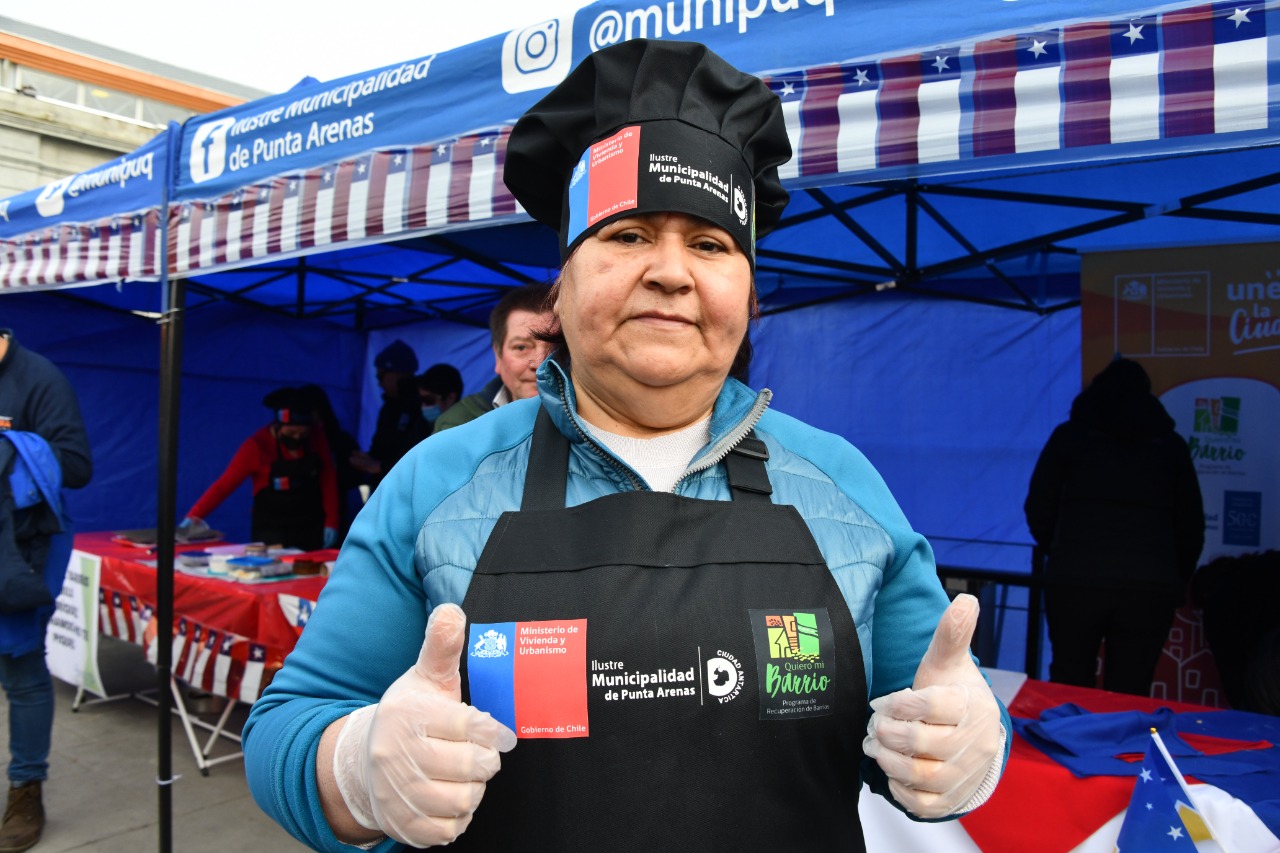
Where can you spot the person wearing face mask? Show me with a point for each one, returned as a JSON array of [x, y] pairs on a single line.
[[439, 388], [295, 485]]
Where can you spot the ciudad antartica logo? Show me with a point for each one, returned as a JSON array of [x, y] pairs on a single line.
[[740, 205], [724, 676]]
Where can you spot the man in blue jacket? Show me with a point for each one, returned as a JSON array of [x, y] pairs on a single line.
[[40, 419]]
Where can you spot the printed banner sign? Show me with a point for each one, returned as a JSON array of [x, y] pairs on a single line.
[[71, 640], [1205, 323]]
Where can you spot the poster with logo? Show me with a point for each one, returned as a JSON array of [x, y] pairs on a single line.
[[71, 640], [1204, 321]]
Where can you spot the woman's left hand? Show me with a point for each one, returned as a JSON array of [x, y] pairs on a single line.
[[938, 740]]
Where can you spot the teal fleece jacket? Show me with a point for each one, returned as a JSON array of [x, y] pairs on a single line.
[[416, 542]]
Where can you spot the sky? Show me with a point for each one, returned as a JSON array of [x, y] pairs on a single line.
[[272, 44]]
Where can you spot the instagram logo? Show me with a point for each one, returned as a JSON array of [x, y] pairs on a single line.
[[537, 57]]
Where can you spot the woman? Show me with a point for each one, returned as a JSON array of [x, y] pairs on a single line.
[[295, 489], [1115, 503], [693, 633]]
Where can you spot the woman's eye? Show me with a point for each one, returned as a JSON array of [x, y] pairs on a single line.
[[709, 246], [629, 237]]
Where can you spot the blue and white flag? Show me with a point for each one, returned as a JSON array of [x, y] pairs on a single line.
[[1161, 814]]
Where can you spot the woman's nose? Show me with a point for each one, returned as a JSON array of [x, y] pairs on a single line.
[[669, 267]]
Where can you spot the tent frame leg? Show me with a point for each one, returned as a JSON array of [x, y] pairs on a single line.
[[80, 702], [191, 723]]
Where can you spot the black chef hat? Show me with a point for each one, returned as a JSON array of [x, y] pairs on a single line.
[[289, 406], [647, 126]]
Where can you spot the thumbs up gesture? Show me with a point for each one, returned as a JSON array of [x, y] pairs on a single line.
[[940, 739], [415, 764]]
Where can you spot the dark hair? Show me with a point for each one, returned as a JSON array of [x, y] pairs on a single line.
[[443, 379], [528, 297], [315, 398]]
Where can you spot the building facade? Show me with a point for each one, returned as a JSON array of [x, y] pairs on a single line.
[[67, 105]]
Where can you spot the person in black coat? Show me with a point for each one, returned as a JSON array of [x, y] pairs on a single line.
[[1115, 504], [343, 445], [36, 403], [400, 423]]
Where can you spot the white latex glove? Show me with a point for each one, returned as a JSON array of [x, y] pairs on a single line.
[[938, 740], [415, 764]]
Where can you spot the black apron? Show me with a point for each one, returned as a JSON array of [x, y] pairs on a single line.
[[289, 510], [682, 674]]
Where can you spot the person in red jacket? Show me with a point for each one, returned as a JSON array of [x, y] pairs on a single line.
[[295, 485]]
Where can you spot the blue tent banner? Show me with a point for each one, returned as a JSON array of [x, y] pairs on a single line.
[[372, 197], [1119, 87], [416, 148], [96, 226], [396, 151]]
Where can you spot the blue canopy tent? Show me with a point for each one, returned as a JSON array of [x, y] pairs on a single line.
[[953, 160]]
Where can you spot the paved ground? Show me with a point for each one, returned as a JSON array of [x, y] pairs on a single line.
[[102, 795]]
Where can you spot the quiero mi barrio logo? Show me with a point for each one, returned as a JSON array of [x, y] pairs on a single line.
[[793, 651]]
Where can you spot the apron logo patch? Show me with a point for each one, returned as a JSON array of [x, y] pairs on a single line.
[[724, 677], [621, 684], [531, 676], [794, 662]]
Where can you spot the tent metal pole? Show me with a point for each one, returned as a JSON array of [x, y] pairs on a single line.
[[174, 298], [170, 373]]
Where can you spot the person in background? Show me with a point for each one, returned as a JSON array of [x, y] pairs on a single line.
[[400, 425], [640, 610], [47, 443], [1115, 503], [341, 445], [295, 486], [439, 389], [514, 324]]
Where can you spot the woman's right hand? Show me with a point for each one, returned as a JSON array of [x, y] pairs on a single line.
[[415, 764]]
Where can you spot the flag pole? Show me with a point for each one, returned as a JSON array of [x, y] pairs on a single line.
[[1182, 783]]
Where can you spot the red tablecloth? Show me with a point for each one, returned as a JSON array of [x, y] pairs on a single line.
[[206, 610], [1040, 799]]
